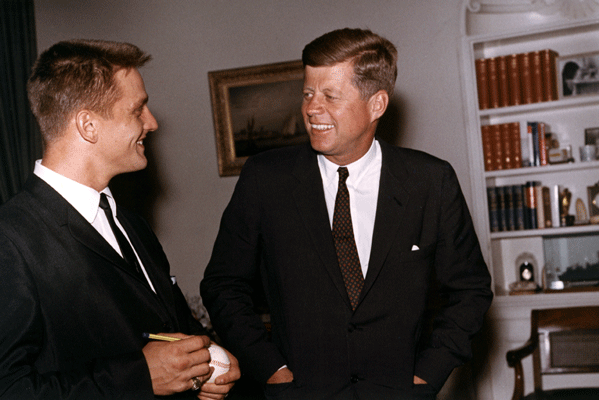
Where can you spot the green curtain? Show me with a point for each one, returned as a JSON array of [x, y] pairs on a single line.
[[20, 142]]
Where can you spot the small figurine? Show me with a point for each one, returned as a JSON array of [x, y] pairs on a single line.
[[566, 218]]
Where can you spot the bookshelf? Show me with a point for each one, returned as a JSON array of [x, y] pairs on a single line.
[[500, 28], [566, 118]]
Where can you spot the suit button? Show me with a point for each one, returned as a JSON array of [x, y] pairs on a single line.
[[354, 379], [351, 328]]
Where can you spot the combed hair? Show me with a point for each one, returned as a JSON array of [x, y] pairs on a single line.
[[78, 74], [374, 58]]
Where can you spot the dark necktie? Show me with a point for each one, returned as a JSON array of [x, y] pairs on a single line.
[[345, 244], [124, 245]]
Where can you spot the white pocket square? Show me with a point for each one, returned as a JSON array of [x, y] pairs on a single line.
[[414, 248]]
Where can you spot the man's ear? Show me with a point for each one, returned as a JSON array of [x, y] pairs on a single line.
[[378, 104], [87, 125]]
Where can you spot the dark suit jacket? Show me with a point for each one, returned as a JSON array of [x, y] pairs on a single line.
[[72, 312], [276, 226]]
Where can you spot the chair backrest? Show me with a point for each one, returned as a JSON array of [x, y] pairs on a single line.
[[568, 341]]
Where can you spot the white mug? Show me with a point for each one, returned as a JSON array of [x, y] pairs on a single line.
[[588, 152]]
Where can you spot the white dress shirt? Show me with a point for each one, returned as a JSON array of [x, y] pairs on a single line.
[[363, 186], [86, 201]]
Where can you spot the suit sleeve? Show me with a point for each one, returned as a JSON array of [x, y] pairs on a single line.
[[463, 284], [227, 287], [22, 337]]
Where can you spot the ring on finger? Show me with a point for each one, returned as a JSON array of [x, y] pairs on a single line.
[[197, 384]]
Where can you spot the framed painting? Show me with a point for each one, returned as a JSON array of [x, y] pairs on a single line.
[[256, 109]]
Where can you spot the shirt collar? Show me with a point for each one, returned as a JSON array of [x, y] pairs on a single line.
[[357, 170], [83, 198]]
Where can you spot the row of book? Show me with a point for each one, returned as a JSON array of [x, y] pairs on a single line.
[[515, 145], [516, 79], [519, 207]]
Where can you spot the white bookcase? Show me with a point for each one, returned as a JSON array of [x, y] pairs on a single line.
[[500, 28]]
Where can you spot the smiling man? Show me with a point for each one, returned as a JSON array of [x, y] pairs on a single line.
[[350, 237], [81, 279]]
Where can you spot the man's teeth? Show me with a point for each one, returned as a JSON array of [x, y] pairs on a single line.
[[321, 127], [141, 141]]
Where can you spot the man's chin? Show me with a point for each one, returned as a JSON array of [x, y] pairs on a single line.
[[320, 146]]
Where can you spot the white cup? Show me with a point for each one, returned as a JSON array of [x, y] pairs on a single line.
[[588, 152]]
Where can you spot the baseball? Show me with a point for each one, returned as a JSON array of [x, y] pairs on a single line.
[[218, 360]]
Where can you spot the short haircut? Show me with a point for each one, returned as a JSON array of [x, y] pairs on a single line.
[[78, 74], [374, 58]]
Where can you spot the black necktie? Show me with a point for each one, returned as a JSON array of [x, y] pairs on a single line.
[[345, 244], [124, 245]]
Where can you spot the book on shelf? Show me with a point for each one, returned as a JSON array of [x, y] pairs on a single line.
[[538, 89], [523, 206], [518, 194], [493, 82], [534, 131], [506, 208], [537, 149], [530, 205], [549, 67], [515, 79], [503, 82], [554, 199], [493, 209], [542, 140], [525, 69], [480, 66], [545, 202], [514, 145]]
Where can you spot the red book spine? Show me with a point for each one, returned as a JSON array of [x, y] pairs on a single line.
[[496, 147], [547, 207], [548, 59], [525, 78], [516, 145], [503, 80], [542, 144], [487, 147], [514, 80], [506, 146], [536, 77], [482, 83], [493, 82]]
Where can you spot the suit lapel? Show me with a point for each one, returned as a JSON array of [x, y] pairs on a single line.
[[55, 209], [309, 199], [149, 261], [58, 209], [391, 207]]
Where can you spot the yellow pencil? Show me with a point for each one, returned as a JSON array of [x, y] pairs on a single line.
[[160, 337]]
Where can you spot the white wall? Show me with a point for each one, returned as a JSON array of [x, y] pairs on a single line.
[[188, 38]]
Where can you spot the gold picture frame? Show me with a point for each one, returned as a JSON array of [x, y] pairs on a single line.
[[255, 109], [593, 192]]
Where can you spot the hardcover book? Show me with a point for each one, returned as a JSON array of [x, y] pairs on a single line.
[[481, 83]]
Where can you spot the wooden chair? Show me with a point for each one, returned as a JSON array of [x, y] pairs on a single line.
[[562, 341]]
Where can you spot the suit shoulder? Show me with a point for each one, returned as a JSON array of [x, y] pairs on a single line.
[[16, 208], [416, 161], [278, 160], [20, 218]]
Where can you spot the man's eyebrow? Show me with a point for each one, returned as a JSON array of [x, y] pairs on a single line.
[[142, 102]]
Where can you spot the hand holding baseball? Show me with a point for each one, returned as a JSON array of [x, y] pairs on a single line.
[[220, 382]]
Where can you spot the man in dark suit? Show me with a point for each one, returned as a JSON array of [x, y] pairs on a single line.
[[75, 296], [348, 286]]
